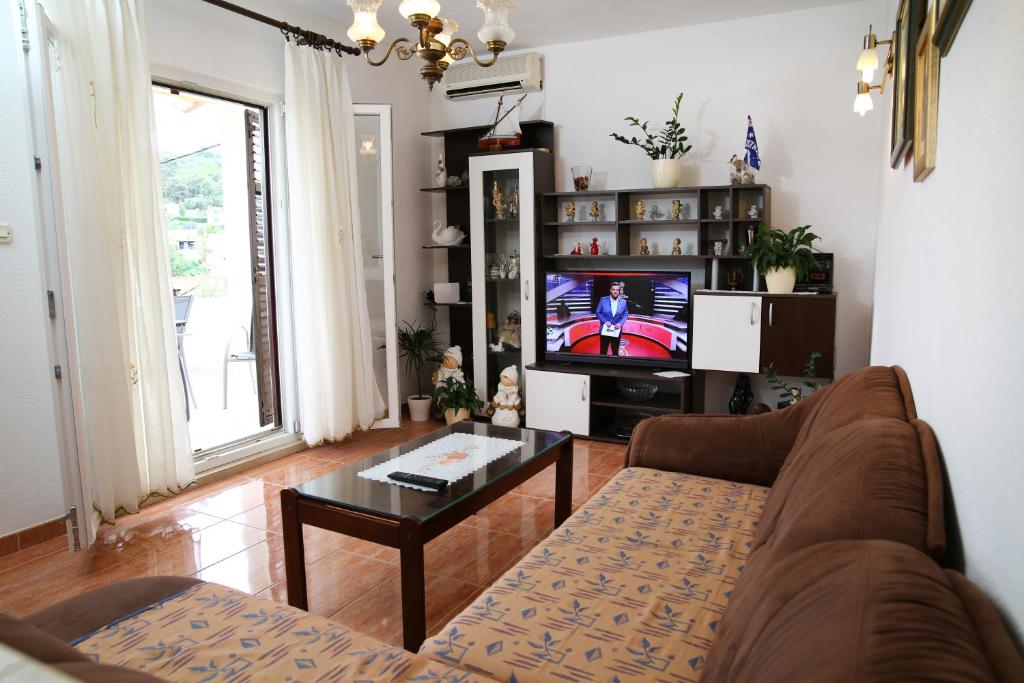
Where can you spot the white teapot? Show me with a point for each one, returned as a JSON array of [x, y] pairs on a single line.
[[446, 236]]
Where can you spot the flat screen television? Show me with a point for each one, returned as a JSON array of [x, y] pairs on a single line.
[[618, 317]]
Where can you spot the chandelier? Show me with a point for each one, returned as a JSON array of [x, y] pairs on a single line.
[[436, 44]]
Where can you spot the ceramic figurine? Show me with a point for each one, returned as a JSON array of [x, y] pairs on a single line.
[[718, 213], [747, 178], [446, 236], [451, 366], [604, 248], [677, 209], [506, 402], [513, 203], [677, 250], [639, 210], [736, 174], [753, 211], [570, 211], [440, 176], [511, 334], [595, 211], [577, 250], [512, 268], [594, 248], [719, 247], [644, 249], [742, 395], [498, 201], [656, 213]]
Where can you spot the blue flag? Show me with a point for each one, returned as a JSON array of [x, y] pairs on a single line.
[[752, 157]]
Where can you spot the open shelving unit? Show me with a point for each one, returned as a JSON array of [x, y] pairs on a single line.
[[619, 228]]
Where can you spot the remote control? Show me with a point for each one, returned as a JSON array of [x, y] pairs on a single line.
[[420, 480]]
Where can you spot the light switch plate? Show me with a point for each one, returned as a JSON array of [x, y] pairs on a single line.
[[6, 234]]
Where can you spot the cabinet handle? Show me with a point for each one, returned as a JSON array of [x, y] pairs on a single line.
[[526, 289], [583, 391], [771, 314], [753, 312]]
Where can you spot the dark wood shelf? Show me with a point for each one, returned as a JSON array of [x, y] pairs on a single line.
[[584, 193], [604, 370], [458, 304], [615, 257], [463, 245], [502, 220], [670, 221], [444, 189], [566, 224], [715, 220], [660, 403]]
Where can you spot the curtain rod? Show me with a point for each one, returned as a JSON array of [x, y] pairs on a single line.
[[302, 36]]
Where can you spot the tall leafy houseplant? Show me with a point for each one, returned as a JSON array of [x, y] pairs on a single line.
[[417, 346], [666, 147], [782, 256]]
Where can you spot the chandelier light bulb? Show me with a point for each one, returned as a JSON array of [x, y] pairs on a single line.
[[496, 27], [867, 63], [364, 21], [862, 104], [429, 8]]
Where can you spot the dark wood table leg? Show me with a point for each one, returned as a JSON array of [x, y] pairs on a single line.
[[294, 555], [414, 602], [563, 482]]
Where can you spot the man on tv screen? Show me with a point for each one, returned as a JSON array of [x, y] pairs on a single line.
[[612, 312]]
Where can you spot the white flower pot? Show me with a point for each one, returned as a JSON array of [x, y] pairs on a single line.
[[666, 172], [780, 280], [419, 408], [452, 416]]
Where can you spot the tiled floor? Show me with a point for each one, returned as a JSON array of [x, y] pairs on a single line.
[[230, 532]]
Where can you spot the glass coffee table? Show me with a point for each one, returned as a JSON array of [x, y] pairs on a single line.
[[404, 518]]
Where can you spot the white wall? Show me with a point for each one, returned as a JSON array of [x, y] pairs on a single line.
[[31, 491], [221, 50], [947, 304], [792, 72]]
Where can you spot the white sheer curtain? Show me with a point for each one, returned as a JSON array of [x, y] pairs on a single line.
[[338, 391], [132, 421]]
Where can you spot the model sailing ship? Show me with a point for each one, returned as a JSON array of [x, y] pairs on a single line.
[[505, 131]]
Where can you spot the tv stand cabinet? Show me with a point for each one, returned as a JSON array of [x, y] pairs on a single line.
[[584, 398]]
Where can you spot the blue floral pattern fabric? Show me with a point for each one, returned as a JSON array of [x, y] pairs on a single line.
[[632, 587], [213, 633]]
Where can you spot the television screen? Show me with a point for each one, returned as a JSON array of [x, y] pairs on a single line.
[[619, 317]]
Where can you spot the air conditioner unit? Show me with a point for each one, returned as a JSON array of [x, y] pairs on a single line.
[[516, 73]]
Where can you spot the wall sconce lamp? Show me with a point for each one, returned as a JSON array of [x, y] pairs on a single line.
[[867, 63]]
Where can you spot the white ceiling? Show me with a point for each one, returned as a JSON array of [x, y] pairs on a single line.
[[546, 22]]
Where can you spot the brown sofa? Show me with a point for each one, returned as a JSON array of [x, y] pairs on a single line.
[[685, 566]]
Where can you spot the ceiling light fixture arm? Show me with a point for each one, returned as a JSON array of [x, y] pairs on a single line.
[[460, 46], [402, 51]]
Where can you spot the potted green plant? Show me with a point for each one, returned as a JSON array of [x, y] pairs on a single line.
[[782, 256], [666, 148], [457, 399], [418, 345]]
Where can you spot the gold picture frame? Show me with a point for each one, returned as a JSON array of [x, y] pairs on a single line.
[[908, 23], [926, 98]]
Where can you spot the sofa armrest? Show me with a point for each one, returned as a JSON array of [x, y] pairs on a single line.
[[745, 449]]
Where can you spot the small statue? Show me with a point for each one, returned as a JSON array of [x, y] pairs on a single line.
[[498, 201], [440, 176], [656, 213], [451, 366], [511, 334], [748, 177], [577, 250], [512, 265], [677, 249], [752, 212], [718, 213], [595, 211], [639, 210], [594, 247], [677, 209], [506, 403], [513, 203], [719, 247], [644, 249], [742, 395], [736, 174], [570, 211]]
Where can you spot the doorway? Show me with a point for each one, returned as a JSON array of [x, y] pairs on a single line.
[[216, 215]]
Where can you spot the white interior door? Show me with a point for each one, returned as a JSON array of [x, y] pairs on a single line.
[[376, 212]]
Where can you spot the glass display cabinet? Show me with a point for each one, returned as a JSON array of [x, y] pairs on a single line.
[[504, 191]]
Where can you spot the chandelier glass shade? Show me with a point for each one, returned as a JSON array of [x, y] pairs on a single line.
[[436, 43]]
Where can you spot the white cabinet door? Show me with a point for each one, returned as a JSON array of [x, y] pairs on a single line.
[[557, 401], [727, 333]]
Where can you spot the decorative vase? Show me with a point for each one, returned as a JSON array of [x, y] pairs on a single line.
[[780, 280], [451, 416], [419, 408], [666, 172]]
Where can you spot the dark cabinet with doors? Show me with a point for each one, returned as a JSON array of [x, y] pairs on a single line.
[[794, 326]]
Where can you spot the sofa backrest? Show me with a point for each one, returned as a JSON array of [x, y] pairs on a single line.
[[860, 611], [874, 478]]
